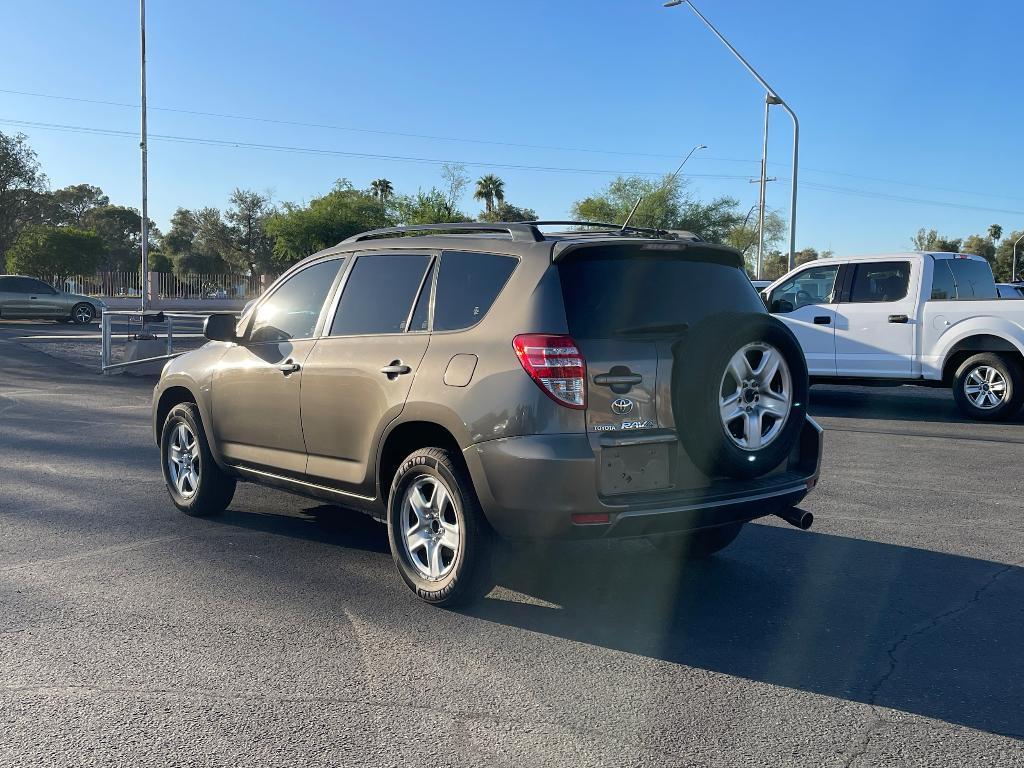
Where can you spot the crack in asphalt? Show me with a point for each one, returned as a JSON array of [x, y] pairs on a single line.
[[878, 720]]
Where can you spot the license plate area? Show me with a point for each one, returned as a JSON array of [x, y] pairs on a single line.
[[635, 469]]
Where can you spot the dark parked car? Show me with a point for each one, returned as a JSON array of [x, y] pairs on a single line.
[[29, 298], [475, 383]]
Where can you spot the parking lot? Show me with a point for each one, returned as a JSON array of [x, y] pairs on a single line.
[[280, 634]]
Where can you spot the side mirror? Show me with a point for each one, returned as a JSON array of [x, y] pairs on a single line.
[[781, 307], [220, 327]]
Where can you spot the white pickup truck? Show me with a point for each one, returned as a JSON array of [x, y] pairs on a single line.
[[916, 318]]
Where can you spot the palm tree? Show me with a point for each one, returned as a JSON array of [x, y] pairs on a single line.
[[382, 189], [995, 232], [490, 188]]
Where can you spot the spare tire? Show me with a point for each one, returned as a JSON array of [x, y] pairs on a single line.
[[739, 394]]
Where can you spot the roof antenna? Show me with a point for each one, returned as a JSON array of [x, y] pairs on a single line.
[[635, 206]]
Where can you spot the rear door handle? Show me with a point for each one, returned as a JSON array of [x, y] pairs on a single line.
[[899, 319], [395, 369], [613, 379], [289, 367], [822, 320]]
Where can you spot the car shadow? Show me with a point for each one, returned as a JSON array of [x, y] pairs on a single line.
[[902, 403], [924, 632]]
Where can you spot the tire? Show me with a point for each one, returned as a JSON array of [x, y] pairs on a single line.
[[83, 313], [205, 488], [697, 545], [448, 562], [711, 382], [989, 387]]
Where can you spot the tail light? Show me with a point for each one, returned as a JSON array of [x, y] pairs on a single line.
[[555, 363]]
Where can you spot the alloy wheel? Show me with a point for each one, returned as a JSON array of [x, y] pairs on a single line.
[[183, 461], [755, 396], [430, 532], [83, 314], [985, 387]]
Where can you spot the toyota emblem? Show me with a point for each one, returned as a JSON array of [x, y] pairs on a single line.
[[622, 406]]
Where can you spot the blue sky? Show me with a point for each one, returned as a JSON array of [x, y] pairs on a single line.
[[899, 102]]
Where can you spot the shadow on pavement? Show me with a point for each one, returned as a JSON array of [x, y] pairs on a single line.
[[905, 403]]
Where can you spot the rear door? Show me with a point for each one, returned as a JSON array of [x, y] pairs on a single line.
[[806, 303], [876, 325]]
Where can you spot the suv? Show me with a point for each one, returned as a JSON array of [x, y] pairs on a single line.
[[482, 382]]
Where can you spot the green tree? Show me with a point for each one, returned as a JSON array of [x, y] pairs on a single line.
[[297, 230], [69, 205], [21, 184], [743, 234], [382, 189], [120, 229], [1003, 266], [431, 207], [198, 242], [252, 250], [995, 231], [490, 189], [55, 252], [980, 246], [930, 240], [504, 211]]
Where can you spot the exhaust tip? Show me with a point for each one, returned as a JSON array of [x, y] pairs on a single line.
[[797, 518]]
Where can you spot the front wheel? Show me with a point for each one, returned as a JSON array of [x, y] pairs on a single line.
[[197, 486], [439, 538], [82, 314], [989, 387]]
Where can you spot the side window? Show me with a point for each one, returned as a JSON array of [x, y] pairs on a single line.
[[21, 285], [878, 281], [7, 284], [943, 287], [812, 286], [38, 286], [379, 294], [467, 285], [973, 279], [292, 310]]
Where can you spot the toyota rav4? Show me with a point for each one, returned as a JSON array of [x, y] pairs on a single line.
[[472, 383]]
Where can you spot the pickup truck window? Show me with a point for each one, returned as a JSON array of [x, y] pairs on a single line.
[[879, 281], [973, 279], [812, 286], [943, 287]]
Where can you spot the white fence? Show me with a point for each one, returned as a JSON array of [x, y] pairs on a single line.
[[164, 285]]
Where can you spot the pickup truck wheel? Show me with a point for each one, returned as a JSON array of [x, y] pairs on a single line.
[[439, 538], [739, 394], [697, 545], [197, 486], [989, 387]]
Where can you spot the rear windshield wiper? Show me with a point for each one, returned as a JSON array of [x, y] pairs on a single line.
[[654, 328]]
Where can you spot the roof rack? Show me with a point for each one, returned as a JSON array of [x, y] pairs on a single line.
[[605, 225], [515, 230]]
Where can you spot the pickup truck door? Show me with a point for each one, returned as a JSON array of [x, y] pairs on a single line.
[[876, 322], [806, 303]]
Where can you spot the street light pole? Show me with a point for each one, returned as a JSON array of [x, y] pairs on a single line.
[[783, 104], [145, 170], [1013, 274], [768, 101], [677, 170]]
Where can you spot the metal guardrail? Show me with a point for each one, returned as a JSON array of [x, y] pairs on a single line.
[[146, 320]]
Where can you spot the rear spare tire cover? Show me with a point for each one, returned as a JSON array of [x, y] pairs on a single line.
[[739, 394]]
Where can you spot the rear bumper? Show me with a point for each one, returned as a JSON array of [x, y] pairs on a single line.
[[531, 486]]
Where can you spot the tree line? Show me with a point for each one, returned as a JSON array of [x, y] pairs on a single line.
[[77, 230]]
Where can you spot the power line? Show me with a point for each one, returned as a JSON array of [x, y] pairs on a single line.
[[230, 143], [489, 142]]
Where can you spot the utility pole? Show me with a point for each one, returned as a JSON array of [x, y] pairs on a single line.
[[145, 170], [769, 100]]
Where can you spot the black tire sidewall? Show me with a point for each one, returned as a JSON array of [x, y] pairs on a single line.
[[699, 366], [1011, 372], [470, 576], [215, 488]]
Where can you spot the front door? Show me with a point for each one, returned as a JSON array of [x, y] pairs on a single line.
[[806, 303], [357, 378], [256, 416], [45, 301], [875, 325]]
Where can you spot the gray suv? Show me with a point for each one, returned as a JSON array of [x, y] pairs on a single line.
[[468, 384]]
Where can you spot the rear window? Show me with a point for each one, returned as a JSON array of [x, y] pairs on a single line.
[[973, 279], [467, 285], [617, 294]]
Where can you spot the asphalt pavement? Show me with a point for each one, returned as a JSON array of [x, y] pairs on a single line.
[[280, 634]]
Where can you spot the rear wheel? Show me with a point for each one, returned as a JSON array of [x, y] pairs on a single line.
[[439, 538], [739, 395], [989, 387], [697, 545]]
